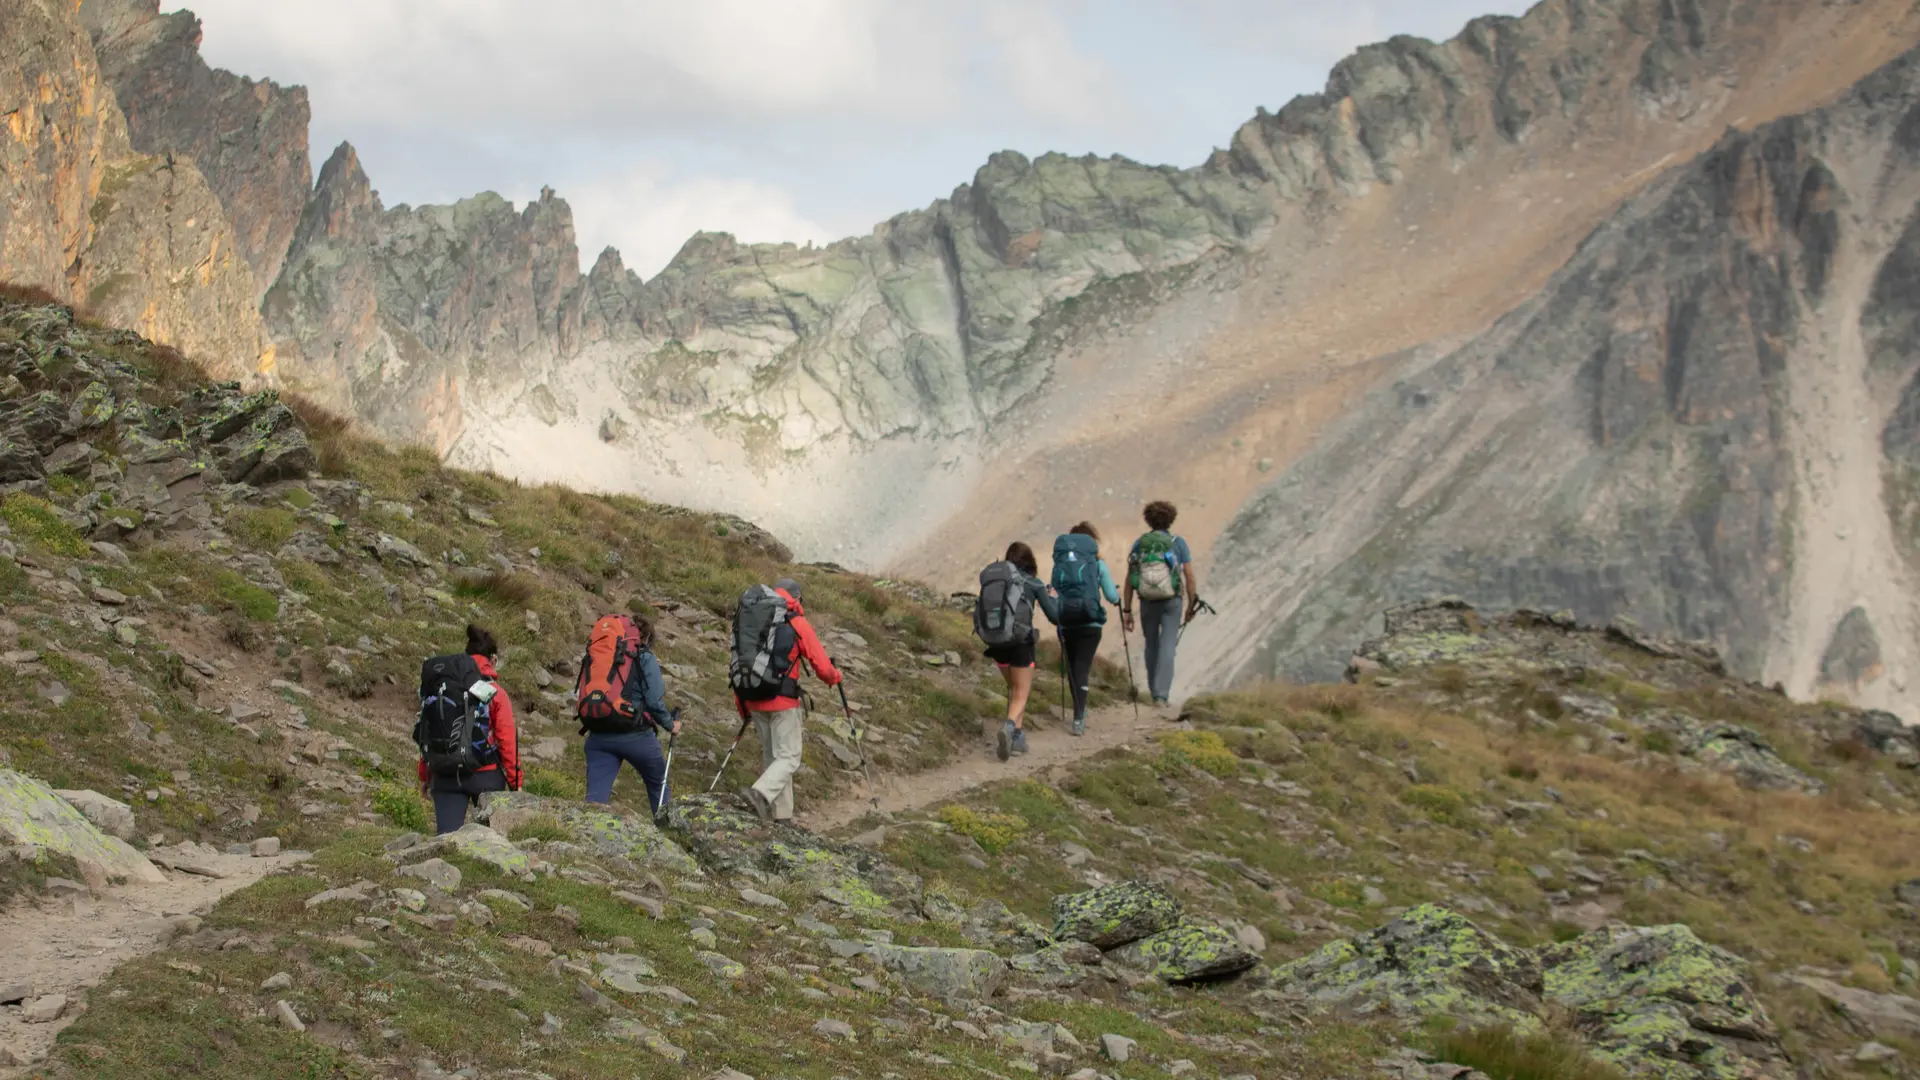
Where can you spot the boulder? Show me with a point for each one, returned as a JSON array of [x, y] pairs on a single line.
[[1062, 965], [1885, 1015], [1189, 953], [1115, 915], [1658, 1001], [960, 974], [1746, 755], [33, 817], [601, 832], [112, 816], [482, 844], [1428, 962], [730, 840]]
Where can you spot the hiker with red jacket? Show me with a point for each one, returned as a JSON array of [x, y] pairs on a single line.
[[473, 755], [773, 643]]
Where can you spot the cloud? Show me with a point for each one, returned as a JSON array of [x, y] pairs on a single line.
[[649, 217], [1047, 71], [615, 65]]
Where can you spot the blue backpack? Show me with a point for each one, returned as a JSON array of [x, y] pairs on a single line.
[[1076, 577]]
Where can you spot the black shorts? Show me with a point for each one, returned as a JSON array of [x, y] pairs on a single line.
[[1017, 655]]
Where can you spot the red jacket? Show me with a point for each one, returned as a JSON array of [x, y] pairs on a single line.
[[807, 651], [506, 738]]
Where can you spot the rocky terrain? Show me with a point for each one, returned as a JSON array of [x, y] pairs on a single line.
[[1703, 423]]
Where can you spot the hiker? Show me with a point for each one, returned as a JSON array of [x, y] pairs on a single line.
[[1081, 580], [1003, 617], [1160, 572], [469, 748], [621, 703], [772, 644]]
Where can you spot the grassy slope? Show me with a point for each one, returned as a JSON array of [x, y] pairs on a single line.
[[1309, 788]]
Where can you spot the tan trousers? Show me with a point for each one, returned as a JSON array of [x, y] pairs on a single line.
[[779, 758]]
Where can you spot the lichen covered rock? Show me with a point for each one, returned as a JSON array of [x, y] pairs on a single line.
[[1189, 953], [1659, 1002], [728, 840], [1115, 915], [32, 816], [1429, 962], [965, 974], [1745, 754], [599, 831]]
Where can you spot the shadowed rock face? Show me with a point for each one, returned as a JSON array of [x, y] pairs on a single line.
[[249, 139], [1685, 427]]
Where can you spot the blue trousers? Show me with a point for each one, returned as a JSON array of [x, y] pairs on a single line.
[[641, 749]]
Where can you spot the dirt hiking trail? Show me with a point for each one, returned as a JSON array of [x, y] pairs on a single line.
[[1113, 726], [71, 939]]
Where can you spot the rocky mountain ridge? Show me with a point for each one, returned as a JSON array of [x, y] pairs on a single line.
[[1699, 424], [1100, 331]]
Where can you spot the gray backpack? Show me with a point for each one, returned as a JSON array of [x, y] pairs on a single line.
[[1003, 612]]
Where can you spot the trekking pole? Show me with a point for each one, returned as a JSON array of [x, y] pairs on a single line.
[[661, 805], [1200, 607], [1133, 688], [859, 743], [729, 757]]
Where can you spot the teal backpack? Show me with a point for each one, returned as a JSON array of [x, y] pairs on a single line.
[[1076, 577]]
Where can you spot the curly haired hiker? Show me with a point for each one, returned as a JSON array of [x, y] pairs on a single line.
[[1003, 618], [773, 643], [1081, 580], [1160, 572], [469, 747]]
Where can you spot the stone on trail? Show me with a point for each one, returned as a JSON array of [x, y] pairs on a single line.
[[1651, 998], [1189, 953], [288, 1018], [729, 1074], [44, 1010], [964, 974], [763, 900], [1115, 915], [264, 848], [481, 844], [1117, 1048], [32, 816], [279, 981]]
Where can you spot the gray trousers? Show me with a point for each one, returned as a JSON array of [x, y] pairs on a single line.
[[779, 758], [1160, 626]]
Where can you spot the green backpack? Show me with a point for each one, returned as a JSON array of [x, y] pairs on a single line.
[[1154, 567]]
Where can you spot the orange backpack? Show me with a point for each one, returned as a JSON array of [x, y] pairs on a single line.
[[609, 698]]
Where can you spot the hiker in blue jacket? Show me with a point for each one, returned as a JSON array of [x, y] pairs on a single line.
[[1082, 580]]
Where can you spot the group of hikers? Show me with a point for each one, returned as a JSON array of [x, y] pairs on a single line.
[[469, 743]]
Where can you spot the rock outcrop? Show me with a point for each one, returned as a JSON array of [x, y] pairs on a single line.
[[32, 816], [1690, 426], [138, 239], [247, 138], [1653, 1001]]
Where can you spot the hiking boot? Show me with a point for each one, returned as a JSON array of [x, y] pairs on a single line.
[[1079, 726], [758, 803], [1003, 744], [1019, 740]]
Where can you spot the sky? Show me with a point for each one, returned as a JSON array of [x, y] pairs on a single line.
[[794, 120]]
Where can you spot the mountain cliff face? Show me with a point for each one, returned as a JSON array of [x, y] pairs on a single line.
[[249, 139], [140, 240], [1391, 296], [1705, 422]]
